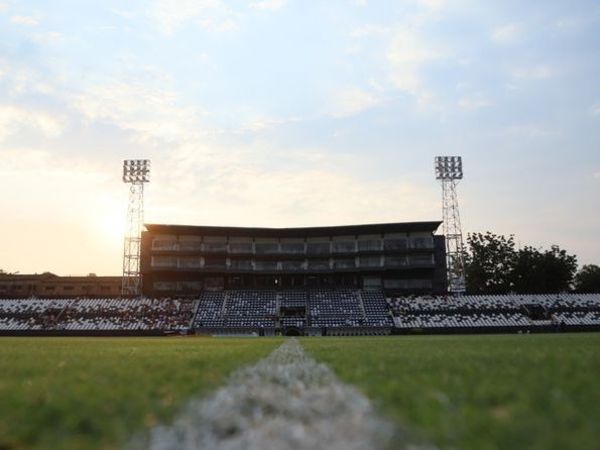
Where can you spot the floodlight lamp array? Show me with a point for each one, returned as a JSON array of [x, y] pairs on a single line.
[[448, 168], [136, 171]]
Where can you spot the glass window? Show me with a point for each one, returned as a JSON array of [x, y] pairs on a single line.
[[395, 284], [396, 261], [317, 248], [263, 248], [292, 265], [266, 265], [164, 261], [318, 264], [190, 245], [292, 247], [344, 246], [421, 259], [215, 247], [190, 286], [344, 263], [240, 247], [370, 261], [165, 286], [395, 244], [164, 244], [214, 262], [369, 245], [241, 264], [189, 262]]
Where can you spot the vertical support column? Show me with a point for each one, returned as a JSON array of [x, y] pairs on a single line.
[[135, 173], [132, 281], [449, 170], [455, 264]]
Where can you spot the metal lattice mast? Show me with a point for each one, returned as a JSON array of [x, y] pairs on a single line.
[[449, 170], [136, 172]]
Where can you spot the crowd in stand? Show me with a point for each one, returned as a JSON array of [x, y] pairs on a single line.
[[491, 302], [335, 308], [96, 314], [498, 311], [322, 308], [315, 309]]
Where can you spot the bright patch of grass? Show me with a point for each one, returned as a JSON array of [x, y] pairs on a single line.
[[479, 392], [92, 393]]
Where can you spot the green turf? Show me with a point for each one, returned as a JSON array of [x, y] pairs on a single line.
[[469, 392], [479, 392], [92, 393]]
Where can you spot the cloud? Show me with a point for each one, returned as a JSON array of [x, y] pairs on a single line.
[[369, 29], [31, 21], [46, 37], [241, 187], [218, 26], [81, 202], [507, 34], [408, 48], [260, 124], [597, 175], [407, 53], [353, 50], [123, 13], [170, 15], [533, 73], [351, 101], [433, 4], [573, 23], [153, 113], [268, 5], [252, 182], [14, 119], [532, 131], [18, 79], [595, 109], [473, 102]]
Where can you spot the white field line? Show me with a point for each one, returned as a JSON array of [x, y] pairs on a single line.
[[285, 401]]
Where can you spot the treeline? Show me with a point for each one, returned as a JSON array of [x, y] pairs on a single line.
[[494, 265]]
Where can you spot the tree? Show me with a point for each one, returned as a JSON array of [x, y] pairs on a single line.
[[549, 271], [560, 269], [588, 279], [494, 266], [489, 263]]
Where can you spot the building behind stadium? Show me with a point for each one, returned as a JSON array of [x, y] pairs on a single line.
[[179, 260], [49, 285]]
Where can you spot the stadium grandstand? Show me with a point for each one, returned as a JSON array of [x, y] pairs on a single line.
[[327, 281], [313, 312], [187, 260]]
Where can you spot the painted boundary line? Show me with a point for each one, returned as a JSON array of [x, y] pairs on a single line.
[[285, 401]]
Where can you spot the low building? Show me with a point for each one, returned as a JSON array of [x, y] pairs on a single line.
[[49, 285]]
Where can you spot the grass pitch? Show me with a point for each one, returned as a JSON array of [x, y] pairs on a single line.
[[93, 393], [479, 392], [470, 392]]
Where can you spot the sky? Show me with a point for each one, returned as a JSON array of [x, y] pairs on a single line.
[[294, 113]]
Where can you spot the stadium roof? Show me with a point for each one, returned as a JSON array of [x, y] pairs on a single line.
[[376, 228]]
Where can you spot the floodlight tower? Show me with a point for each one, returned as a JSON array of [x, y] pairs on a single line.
[[449, 170], [136, 172]]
